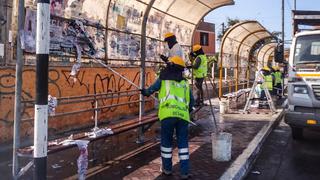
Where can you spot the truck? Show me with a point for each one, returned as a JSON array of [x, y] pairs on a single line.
[[304, 74]]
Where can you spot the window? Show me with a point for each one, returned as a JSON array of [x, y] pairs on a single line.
[[204, 39], [315, 48], [307, 49]]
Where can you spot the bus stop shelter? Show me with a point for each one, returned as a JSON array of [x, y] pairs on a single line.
[[236, 48], [265, 54]]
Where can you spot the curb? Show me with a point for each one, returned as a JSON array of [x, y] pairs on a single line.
[[240, 167]]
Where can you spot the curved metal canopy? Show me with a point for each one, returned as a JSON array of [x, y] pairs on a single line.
[[238, 41], [236, 46], [180, 17], [265, 53], [122, 29]]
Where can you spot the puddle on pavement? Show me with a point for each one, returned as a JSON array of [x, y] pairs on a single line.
[[64, 164]]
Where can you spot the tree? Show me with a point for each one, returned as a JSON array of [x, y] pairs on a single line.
[[230, 22], [276, 34]]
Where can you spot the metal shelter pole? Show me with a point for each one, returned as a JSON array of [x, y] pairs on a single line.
[[17, 96], [143, 57], [248, 77], [237, 74], [143, 67], [41, 104], [220, 80]]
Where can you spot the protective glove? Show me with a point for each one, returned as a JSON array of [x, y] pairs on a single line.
[[192, 54], [164, 58]]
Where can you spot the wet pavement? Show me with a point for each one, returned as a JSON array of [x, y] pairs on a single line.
[[63, 164], [284, 158], [120, 157], [146, 164]]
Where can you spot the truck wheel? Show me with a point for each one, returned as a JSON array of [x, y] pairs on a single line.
[[297, 133]]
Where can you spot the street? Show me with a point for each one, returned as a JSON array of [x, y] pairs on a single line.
[[284, 158]]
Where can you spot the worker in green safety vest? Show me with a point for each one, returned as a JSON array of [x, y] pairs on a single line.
[[175, 104], [278, 79], [200, 69], [268, 81]]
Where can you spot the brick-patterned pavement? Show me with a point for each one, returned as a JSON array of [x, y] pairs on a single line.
[[145, 164], [121, 158]]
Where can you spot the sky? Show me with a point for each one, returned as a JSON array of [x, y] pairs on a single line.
[[267, 12]]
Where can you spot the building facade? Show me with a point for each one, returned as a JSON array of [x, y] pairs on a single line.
[[206, 37]]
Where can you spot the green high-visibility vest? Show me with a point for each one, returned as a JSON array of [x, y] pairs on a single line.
[[201, 72], [278, 78], [268, 82], [174, 98]]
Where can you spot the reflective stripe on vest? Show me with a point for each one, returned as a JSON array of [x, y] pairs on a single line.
[[268, 82], [173, 97], [203, 68], [174, 100], [277, 76]]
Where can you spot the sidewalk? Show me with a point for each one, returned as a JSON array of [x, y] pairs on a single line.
[[120, 157], [146, 164]]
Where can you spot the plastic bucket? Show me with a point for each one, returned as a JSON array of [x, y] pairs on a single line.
[[223, 106], [221, 146]]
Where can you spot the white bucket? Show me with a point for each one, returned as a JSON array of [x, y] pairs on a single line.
[[223, 106], [221, 146]]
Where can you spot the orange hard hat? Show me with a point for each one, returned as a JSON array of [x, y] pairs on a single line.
[[196, 47], [177, 60], [167, 35]]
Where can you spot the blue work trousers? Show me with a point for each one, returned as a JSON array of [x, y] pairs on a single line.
[[277, 89], [168, 126], [263, 94]]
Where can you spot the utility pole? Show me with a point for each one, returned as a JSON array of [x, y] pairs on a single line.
[[295, 4], [282, 7], [41, 104], [17, 95], [222, 27]]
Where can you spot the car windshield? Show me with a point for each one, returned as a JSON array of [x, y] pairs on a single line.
[[307, 49]]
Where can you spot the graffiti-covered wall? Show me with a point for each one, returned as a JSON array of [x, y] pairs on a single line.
[[108, 30], [61, 85], [82, 31], [111, 30]]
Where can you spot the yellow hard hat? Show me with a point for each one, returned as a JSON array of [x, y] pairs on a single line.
[[177, 60], [169, 34], [276, 68], [196, 47], [266, 68]]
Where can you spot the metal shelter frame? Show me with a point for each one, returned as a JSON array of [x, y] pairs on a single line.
[[264, 53], [168, 8], [146, 23], [236, 46]]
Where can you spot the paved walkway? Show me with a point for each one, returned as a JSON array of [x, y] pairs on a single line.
[[121, 158], [146, 164]]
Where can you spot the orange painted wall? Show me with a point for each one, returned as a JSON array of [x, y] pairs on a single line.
[[209, 50], [88, 81]]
